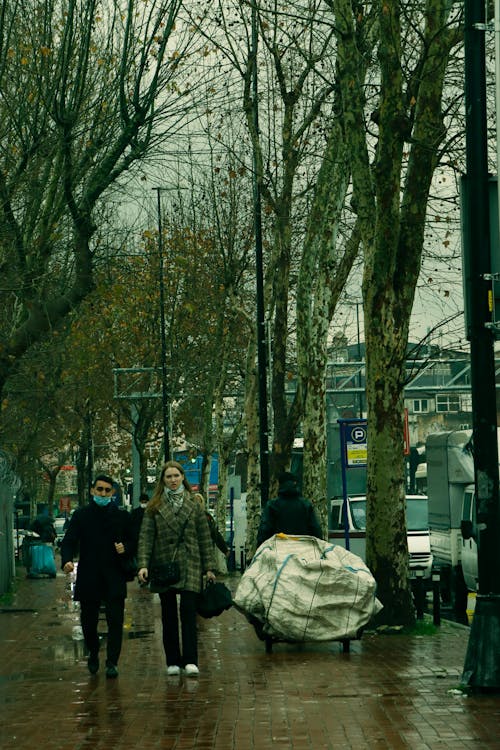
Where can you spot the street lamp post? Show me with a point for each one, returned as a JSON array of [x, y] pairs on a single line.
[[164, 399], [482, 662], [261, 323]]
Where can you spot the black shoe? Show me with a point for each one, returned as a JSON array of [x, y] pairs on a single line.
[[111, 671], [93, 663]]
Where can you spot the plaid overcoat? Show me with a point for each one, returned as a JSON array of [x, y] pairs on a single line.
[[160, 532]]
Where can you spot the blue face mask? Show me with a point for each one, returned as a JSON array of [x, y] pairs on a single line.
[[101, 501]]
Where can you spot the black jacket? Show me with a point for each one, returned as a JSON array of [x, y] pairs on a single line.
[[289, 513], [217, 537], [91, 535]]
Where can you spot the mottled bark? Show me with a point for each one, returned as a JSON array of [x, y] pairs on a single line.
[[392, 232], [253, 499], [324, 270], [206, 466], [222, 493]]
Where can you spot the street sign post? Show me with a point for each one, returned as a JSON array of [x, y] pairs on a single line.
[[353, 455]]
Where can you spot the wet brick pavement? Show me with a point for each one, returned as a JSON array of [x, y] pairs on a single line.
[[390, 691]]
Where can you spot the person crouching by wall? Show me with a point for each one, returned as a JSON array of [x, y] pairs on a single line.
[[175, 527]]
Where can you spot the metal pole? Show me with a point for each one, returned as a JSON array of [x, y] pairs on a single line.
[[345, 506], [261, 323], [497, 88], [166, 440], [436, 593], [482, 662]]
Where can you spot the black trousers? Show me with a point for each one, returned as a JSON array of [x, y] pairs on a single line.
[[89, 618], [170, 624]]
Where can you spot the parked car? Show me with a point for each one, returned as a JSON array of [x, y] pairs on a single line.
[[417, 523], [17, 541], [60, 527]]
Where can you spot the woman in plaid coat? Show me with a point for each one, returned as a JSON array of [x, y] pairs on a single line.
[[175, 527]]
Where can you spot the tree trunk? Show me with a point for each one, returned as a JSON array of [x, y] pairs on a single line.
[[253, 499], [222, 494], [51, 490], [206, 467], [386, 540], [392, 232], [323, 274]]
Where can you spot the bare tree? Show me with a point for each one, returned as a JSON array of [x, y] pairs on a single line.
[[390, 195], [87, 91]]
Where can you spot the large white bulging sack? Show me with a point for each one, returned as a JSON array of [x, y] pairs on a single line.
[[305, 589]]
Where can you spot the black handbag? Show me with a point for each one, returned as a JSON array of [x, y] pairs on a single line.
[[213, 600], [129, 567], [167, 573]]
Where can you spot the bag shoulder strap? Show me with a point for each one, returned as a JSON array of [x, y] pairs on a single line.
[[180, 535]]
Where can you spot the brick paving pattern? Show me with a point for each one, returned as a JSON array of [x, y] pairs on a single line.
[[389, 692]]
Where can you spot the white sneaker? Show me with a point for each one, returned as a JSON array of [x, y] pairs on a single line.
[[191, 670], [173, 670]]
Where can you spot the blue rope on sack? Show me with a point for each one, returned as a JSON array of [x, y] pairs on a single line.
[[275, 585], [354, 570], [308, 616], [351, 569], [347, 567], [350, 610], [328, 549], [258, 554]]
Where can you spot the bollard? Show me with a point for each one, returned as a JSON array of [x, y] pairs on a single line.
[[419, 594], [436, 597]]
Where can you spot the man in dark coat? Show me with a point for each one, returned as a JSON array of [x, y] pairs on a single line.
[[102, 535], [289, 513]]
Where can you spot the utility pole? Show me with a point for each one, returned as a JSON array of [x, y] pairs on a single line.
[[166, 438], [261, 323], [482, 662]]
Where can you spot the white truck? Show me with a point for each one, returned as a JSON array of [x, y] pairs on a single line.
[[417, 528], [451, 493]]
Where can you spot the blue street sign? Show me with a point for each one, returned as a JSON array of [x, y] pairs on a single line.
[[353, 455]]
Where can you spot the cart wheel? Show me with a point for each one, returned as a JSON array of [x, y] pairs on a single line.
[[269, 646], [346, 646]]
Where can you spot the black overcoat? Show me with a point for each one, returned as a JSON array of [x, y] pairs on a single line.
[[289, 513], [91, 535]]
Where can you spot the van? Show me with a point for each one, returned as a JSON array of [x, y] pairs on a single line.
[[469, 538], [417, 523], [452, 515]]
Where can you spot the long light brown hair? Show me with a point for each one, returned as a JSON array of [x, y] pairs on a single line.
[[157, 498]]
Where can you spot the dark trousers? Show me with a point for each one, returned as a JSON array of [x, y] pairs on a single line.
[[89, 618], [170, 623]]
